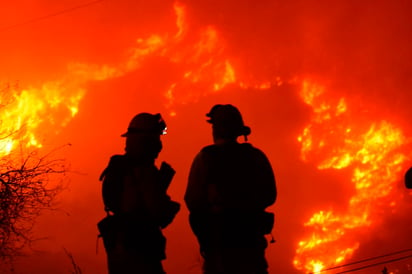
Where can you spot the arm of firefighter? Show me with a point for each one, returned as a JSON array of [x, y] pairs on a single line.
[[196, 191], [153, 194], [166, 174], [160, 207], [268, 190]]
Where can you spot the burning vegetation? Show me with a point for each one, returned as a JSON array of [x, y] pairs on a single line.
[[29, 181], [374, 152]]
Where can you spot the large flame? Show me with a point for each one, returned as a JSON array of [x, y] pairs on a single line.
[[337, 138], [24, 113], [200, 61], [198, 54]]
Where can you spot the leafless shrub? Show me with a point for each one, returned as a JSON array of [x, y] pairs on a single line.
[[25, 190]]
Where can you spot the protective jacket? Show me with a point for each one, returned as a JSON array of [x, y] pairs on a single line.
[[135, 197], [230, 186]]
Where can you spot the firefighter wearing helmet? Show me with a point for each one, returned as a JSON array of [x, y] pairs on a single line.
[[230, 186], [143, 136], [136, 201]]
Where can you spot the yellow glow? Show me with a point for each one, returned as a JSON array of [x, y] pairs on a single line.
[[266, 85], [180, 11], [341, 107], [26, 111], [6, 146], [316, 266], [334, 140], [228, 77]]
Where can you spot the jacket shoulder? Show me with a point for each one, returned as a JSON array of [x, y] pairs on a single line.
[[116, 159], [208, 149], [116, 163], [253, 149]]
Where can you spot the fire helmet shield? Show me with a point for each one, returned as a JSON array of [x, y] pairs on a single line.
[[146, 123]]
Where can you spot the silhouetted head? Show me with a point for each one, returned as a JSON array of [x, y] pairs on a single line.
[[143, 136], [227, 123], [408, 178]]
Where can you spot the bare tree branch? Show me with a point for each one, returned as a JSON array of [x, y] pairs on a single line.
[[29, 182], [25, 191], [76, 268]]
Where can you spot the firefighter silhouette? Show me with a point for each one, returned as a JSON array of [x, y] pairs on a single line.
[[136, 201], [230, 186]]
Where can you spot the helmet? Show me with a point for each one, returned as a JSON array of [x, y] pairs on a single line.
[[146, 123], [228, 120]]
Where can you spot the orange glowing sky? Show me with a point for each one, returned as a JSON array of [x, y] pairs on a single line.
[[325, 87]]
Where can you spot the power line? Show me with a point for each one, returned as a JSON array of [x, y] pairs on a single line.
[[375, 264], [36, 19], [368, 259]]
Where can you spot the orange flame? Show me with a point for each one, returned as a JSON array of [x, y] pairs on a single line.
[[373, 152], [203, 63], [24, 112], [198, 54]]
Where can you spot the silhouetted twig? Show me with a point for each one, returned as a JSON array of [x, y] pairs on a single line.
[[76, 268]]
